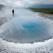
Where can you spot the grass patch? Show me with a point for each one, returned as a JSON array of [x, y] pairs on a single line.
[[43, 10]]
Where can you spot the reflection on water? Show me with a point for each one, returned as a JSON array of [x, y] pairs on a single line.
[[47, 16]]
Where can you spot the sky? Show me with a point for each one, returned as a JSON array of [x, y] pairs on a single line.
[[22, 3]]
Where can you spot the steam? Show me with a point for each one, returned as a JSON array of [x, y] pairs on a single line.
[[24, 3], [27, 28], [39, 47], [31, 32]]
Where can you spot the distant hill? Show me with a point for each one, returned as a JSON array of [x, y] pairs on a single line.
[[42, 6]]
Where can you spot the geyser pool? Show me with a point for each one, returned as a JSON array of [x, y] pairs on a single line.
[[26, 26], [25, 29]]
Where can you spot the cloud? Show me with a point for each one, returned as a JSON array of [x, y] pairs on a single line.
[[15, 3], [24, 3], [43, 2]]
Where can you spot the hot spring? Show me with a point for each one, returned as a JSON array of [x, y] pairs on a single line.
[[26, 31], [25, 26]]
